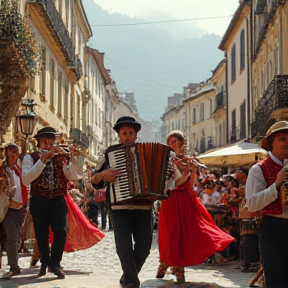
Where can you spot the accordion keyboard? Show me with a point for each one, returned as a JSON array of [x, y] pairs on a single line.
[[117, 161]]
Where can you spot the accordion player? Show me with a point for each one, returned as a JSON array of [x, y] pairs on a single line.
[[144, 170]]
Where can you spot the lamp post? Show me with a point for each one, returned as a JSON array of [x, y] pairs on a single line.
[[28, 121]]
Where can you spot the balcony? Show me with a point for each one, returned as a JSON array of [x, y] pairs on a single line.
[[272, 107], [52, 19], [220, 101], [76, 66], [78, 137]]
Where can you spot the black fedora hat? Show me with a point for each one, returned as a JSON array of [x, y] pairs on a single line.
[[46, 132], [127, 121]]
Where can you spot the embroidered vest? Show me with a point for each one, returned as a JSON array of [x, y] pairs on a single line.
[[52, 181], [270, 170]]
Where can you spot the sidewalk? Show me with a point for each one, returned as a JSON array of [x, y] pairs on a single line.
[[99, 266]]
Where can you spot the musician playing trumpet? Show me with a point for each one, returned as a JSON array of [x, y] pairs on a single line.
[[128, 219], [187, 234], [43, 170]]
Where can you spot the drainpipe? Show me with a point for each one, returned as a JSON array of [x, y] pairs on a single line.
[[281, 45], [226, 88], [248, 73]]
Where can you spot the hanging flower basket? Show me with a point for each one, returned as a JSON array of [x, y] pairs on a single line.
[[15, 31]]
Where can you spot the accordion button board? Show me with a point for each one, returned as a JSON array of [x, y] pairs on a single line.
[[143, 171]]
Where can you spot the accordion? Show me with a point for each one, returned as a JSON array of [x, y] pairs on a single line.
[[144, 172]]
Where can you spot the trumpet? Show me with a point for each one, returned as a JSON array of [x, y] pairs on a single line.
[[70, 149]]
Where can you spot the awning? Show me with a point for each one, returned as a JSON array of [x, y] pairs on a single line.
[[237, 155]]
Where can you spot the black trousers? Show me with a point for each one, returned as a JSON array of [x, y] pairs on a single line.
[[132, 252], [273, 241], [103, 208], [250, 249], [46, 212]]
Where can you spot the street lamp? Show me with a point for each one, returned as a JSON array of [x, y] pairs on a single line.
[[28, 121]]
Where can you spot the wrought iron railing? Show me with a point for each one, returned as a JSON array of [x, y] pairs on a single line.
[[58, 26], [220, 101], [274, 98]]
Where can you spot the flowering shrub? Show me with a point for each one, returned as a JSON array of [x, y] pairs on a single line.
[[15, 28]]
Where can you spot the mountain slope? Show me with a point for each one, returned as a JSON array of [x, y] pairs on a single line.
[[148, 60]]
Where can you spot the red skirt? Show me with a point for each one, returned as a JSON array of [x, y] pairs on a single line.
[[187, 234], [82, 233]]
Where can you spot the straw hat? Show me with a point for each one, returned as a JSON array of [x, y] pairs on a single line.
[[266, 142]]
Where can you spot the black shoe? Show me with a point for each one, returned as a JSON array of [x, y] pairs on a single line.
[[33, 262], [132, 285], [11, 273], [15, 271], [58, 271], [122, 281], [42, 271]]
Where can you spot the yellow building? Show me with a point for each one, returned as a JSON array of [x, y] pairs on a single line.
[[269, 65], [201, 125], [236, 45], [218, 79]]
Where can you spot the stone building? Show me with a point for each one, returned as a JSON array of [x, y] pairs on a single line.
[[269, 85], [60, 31]]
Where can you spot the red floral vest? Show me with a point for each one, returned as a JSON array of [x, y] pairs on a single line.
[[24, 189], [270, 170], [52, 181]]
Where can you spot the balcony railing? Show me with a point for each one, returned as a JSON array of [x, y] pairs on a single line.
[[61, 34], [78, 137], [274, 98], [220, 101], [76, 66]]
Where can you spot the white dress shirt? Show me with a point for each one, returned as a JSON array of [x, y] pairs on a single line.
[[30, 172], [256, 194]]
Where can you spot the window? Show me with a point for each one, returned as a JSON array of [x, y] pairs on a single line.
[[233, 64], [243, 120], [59, 108], [42, 76], [194, 120], [242, 49], [66, 99], [233, 130], [52, 72], [202, 112]]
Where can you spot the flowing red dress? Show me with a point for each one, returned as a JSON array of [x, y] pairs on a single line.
[[82, 233], [187, 234]]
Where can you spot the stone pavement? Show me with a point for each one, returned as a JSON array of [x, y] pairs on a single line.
[[99, 266]]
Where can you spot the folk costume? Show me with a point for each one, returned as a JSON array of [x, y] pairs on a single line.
[[187, 233], [132, 222], [263, 195], [14, 218], [49, 204]]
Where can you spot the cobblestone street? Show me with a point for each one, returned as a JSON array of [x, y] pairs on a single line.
[[99, 266]]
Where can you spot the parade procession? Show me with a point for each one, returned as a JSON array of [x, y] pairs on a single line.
[[97, 190]]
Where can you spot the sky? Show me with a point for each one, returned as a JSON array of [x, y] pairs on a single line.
[[159, 10]]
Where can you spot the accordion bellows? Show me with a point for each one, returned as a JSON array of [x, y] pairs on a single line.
[[144, 170]]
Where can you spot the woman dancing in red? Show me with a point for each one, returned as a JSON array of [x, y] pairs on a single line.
[[187, 234]]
